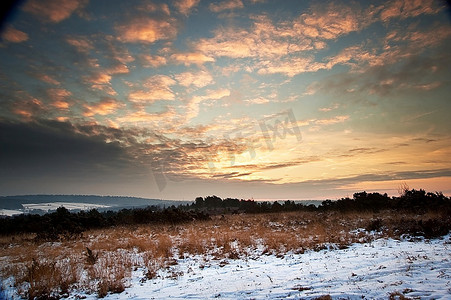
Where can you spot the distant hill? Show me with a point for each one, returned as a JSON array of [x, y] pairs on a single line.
[[113, 202]]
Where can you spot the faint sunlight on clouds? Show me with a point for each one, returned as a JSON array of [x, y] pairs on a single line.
[[13, 35], [147, 30], [53, 10]]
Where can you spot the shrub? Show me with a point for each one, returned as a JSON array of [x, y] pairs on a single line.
[[90, 257], [374, 225]]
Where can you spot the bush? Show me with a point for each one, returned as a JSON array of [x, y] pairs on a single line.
[[374, 225]]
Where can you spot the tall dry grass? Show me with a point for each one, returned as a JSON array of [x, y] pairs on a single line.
[[56, 268]]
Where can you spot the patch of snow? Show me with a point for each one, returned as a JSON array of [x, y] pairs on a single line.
[[10, 212], [55, 205], [369, 271]]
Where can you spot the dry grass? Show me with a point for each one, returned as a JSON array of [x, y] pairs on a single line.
[[56, 268]]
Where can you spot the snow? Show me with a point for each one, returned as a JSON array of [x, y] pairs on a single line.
[[369, 271], [55, 205], [9, 212], [418, 269]]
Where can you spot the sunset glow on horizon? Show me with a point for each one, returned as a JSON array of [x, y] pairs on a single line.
[[237, 98]]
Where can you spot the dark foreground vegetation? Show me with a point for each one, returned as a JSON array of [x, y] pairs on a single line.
[[64, 224]]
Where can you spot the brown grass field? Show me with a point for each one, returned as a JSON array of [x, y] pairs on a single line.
[[59, 267]]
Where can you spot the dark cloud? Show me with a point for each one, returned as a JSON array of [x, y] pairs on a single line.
[[55, 150], [405, 175], [51, 148], [91, 157], [231, 175], [403, 69]]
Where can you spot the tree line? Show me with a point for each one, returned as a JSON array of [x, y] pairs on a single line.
[[65, 224], [411, 200]]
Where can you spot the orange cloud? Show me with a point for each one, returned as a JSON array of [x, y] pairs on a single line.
[[149, 96], [428, 87], [28, 107], [357, 57], [226, 5], [58, 94], [263, 40], [146, 30], [430, 38], [100, 78], [185, 6], [330, 21], [118, 69], [199, 79], [101, 81], [354, 56], [408, 8], [157, 88], [53, 10], [59, 98], [12, 35], [82, 44], [192, 58], [104, 107], [337, 119], [154, 7], [142, 116], [62, 119], [291, 67], [329, 108], [153, 61], [61, 104], [48, 79], [22, 112]]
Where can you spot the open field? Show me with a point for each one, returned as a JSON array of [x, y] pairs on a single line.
[[120, 260]]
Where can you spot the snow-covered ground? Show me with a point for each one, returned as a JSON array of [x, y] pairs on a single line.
[[373, 271], [10, 212], [419, 269], [55, 205], [50, 206]]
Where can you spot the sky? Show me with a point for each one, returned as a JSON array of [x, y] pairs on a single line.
[[237, 98]]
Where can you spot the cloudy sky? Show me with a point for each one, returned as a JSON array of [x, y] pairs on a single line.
[[238, 98]]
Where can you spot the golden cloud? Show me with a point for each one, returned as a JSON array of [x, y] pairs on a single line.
[[58, 94], [154, 7], [185, 6], [192, 58], [48, 79], [61, 104], [226, 5], [263, 40], [28, 107], [53, 10], [291, 67], [157, 88], [105, 107], [147, 30], [13, 35], [99, 78], [153, 61], [82, 44], [118, 69], [408, 8], [199, 79], [334, 120], [141, 116]]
